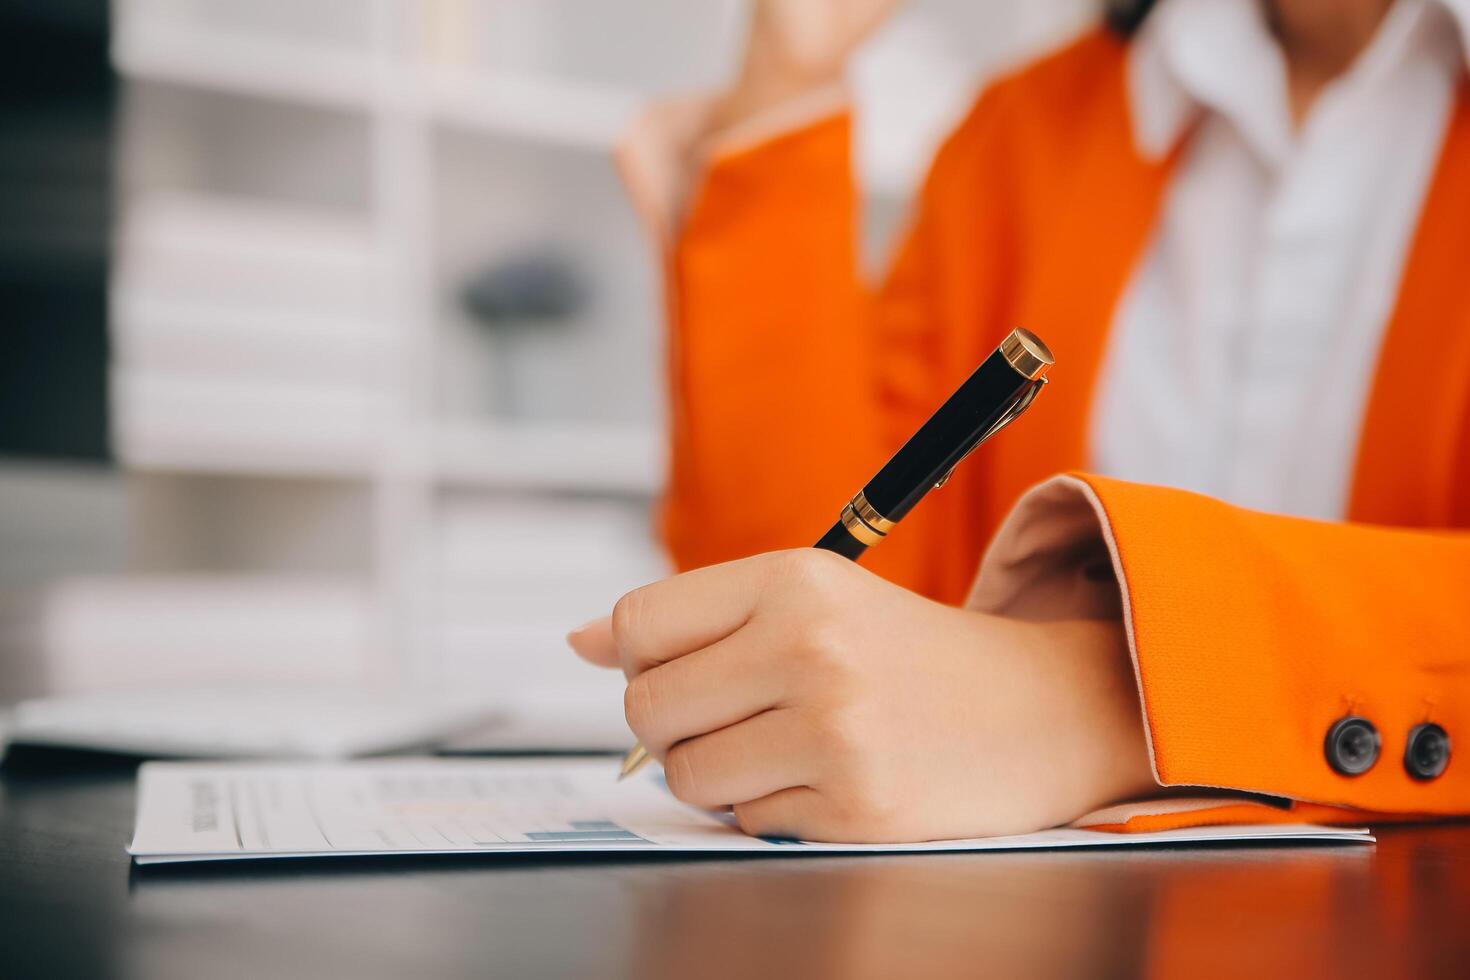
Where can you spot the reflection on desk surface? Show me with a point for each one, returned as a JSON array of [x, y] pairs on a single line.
[[72, 907]]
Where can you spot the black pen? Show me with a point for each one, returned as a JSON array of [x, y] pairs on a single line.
[[1001, 388]]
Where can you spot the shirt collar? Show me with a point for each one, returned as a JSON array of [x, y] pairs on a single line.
[[1193, 57]]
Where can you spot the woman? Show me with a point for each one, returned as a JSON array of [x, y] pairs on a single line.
[[1244, 229]]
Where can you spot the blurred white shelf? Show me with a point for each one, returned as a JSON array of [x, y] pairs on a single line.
[[490, 550], [157, 330], [247, 253], [293, 237], [248, 338], [620, 459], [560, 112], [138, 631], [283, 721], [231, 427], [194, 423], [282, 68]]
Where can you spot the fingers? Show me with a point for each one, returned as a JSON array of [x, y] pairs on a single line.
[[705, 691], [594, 643], [668, 619], [796, 812], [748, 761]]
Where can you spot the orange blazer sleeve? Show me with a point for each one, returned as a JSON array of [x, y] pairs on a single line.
[[1252, 635], [791, 379]]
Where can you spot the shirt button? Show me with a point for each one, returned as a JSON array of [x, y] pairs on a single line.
[[1428, 751], [1352, 746]]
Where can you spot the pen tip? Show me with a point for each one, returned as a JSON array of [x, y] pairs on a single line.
[[632, 762]]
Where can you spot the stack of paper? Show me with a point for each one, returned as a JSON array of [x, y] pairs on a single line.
[[252, 722], [146, 632], [194, 812], [247, 336]]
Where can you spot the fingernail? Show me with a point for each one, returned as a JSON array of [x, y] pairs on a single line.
[[574, 638], [585, 627]]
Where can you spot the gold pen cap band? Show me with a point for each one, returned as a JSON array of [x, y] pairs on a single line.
[[1025, 352], [869, 515], [863, 521], [859, 528]]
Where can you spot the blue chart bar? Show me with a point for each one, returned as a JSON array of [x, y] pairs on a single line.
[[586, 830], [582, 835]]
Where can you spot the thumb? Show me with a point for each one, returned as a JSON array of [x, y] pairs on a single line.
[[593, 642]]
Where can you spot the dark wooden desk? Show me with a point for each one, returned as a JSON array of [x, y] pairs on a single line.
[[72, 906]]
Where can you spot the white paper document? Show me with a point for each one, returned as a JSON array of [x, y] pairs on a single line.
[[222, 811]]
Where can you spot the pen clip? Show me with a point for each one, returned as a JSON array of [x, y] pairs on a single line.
[[1012, 411]]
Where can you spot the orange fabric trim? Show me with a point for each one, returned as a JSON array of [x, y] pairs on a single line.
[[1234, 813], [1249, 813], [1413, 466]]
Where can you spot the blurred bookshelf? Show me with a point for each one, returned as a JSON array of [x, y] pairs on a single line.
[[306, 189], [327, 452]]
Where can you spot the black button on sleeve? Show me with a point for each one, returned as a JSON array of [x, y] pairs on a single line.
[[1427, 753], [1352, 746]]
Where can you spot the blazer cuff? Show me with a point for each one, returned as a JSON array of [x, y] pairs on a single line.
[[1210, 716], [669, 148]]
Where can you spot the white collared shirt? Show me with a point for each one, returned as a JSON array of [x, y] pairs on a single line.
[[1242, 353]]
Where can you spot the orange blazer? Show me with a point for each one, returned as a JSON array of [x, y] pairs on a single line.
[[792, 381]]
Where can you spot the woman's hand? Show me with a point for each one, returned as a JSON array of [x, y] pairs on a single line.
[[825, 703], [796, 46]]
